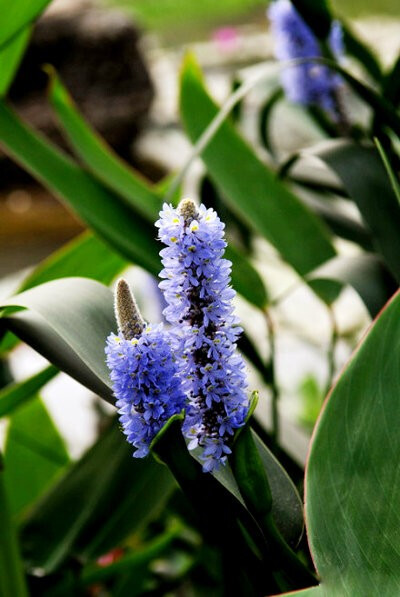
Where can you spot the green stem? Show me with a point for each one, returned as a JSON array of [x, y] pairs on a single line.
[[12, 579], [274, 387], [254, 487]]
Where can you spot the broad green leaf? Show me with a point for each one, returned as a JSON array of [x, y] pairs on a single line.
[[34, 455], [10, 57], [103, 498], [68, 321], [365, 273], [16, 394], [107, 167], [363, 176], [352, 479], [12, 581], [19, 13], [131, 235], [250, 188], [101, 160]]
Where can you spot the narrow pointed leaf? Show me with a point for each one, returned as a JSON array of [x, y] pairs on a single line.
[[16, 394], [10, 57], [131, 235], [249, 187], [101, 160], [19, 13], [12, 581], [34, 455]]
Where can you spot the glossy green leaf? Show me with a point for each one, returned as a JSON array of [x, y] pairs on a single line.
[[19, 13], [16, 394], [12, 581], [131, 235], [10, 57], [250, 188], [34, 455], [363, 176], [67, 321], [352, 479], [108, 494], [365, 273], [107, 167]]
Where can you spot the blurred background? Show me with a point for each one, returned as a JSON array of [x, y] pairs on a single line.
[[120, 61]]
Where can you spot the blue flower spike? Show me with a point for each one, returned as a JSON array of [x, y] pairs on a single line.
[[196, 286], [309, 83], [143, 372]]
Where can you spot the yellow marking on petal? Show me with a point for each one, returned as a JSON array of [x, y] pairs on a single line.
[[173, 239], [134, 342]]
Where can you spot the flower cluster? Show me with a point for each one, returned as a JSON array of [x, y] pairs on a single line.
[[308, 83], [144, 375], [196, 288]]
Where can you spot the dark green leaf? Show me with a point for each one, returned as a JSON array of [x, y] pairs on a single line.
[[34, 455], [103, 498], [10, 57], [16, 394], [249, 187], [131, 235], [99, 157], [12, 581]]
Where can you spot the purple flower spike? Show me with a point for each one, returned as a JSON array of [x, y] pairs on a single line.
[[196, 287], [143, 372], [308, 83]]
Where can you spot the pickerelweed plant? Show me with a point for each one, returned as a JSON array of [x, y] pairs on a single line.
[[308, 83], [195, 364]]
